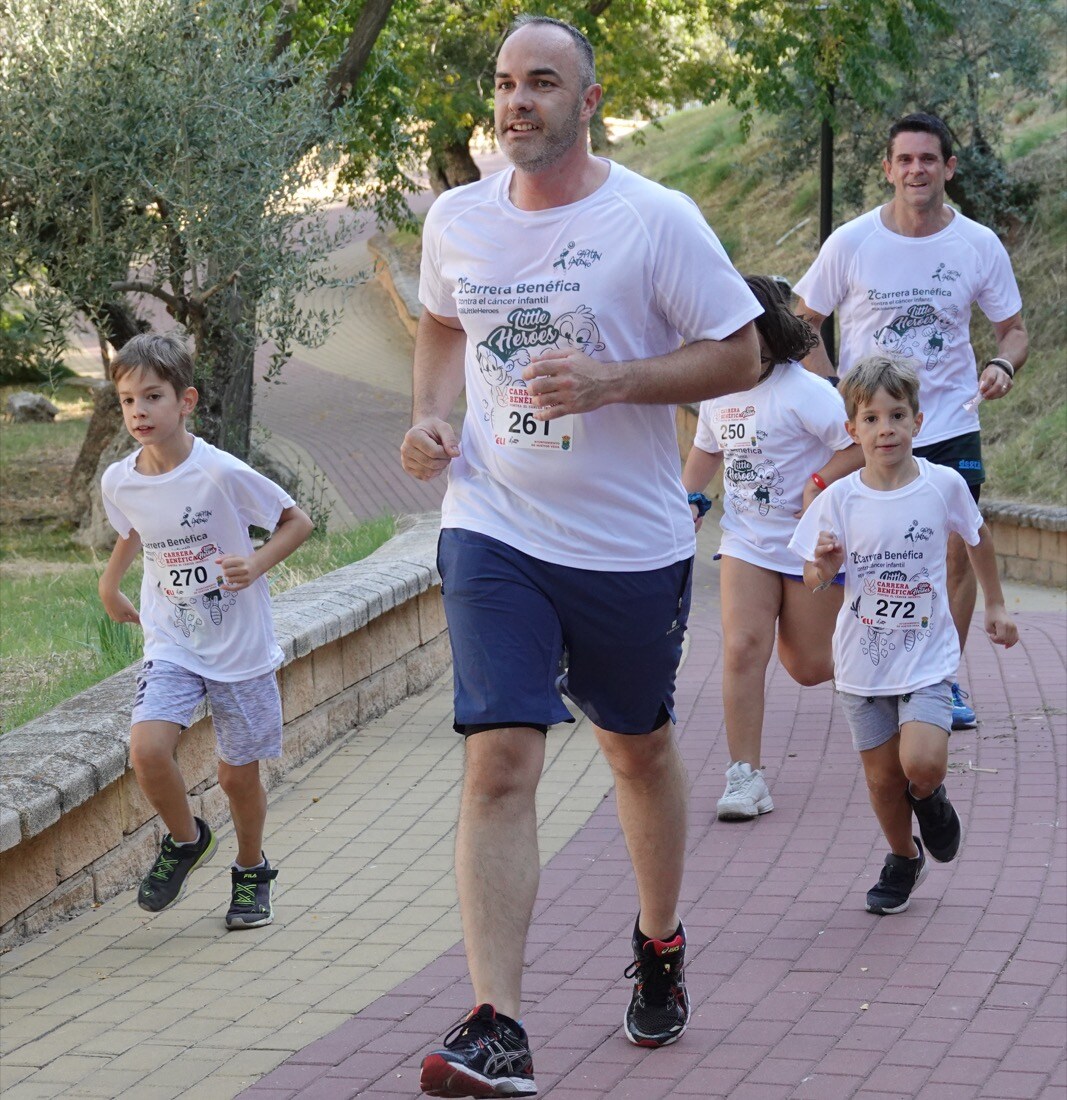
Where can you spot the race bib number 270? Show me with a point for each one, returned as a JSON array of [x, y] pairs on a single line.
[[514, 425]]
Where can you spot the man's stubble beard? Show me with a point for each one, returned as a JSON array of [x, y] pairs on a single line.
[[554, 145]]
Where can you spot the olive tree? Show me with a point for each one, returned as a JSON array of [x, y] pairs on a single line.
[[156, 153]]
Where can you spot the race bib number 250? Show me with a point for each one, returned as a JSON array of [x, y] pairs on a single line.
[[735, 427]]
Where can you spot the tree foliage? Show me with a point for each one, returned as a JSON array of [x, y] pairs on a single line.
[[155, 151], [651, 54], [863, 63]]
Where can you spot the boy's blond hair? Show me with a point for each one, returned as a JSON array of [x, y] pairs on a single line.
[[879, 372], [164, 354]]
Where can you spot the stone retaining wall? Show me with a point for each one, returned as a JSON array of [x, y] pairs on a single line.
[[1031, 539], [74, 826]]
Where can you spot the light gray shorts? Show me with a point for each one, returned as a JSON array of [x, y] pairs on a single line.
[[247, 714], [873, 719]]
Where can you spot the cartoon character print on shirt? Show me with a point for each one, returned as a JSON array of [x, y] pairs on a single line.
[[923, 334], [506, 352], [190, 583], [880, 641], [753, 484]]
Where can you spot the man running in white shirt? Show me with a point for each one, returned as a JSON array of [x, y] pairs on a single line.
[[575, 302], [904, 277]]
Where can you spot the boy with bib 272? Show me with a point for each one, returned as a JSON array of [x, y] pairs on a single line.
[[896, 650]]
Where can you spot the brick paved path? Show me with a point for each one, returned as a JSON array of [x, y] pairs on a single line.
[[798, 992]]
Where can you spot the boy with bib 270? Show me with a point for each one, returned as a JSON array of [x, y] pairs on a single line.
[[896, 649], [205, 613]]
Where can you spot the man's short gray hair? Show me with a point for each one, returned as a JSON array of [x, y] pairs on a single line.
[[586, 61]]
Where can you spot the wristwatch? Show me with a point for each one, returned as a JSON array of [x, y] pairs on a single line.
[[702, 503]]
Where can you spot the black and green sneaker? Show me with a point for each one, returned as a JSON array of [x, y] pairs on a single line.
[[251, 898], [164, 885]]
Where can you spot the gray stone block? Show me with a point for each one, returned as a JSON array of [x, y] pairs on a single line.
[[36, 804], [10, 828], [73, 780]]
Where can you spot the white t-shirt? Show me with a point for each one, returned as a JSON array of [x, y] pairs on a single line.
[[773, 438], [626, 273], [895, 632], [186, 518], [912, 297]]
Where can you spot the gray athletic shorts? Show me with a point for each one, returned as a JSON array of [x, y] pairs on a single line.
[[873, 719], [247, 713]]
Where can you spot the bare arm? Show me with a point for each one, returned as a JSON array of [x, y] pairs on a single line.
[[999, 624], [817, 361], [700, 468], [1013, 344], [293, 528], [430, 443], [568, 381], [116, 604], [839, 465], [829, 557]]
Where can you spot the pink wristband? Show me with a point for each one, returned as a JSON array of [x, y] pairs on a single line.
[[818, 481]]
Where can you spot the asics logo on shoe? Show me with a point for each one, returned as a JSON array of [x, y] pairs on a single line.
[[502, 1061]]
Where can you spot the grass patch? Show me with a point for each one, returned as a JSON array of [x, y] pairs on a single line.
[[56, 640], [323, 553]]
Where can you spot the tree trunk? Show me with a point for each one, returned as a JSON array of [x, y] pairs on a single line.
[[117, 323], [452, 165], [225, 360]]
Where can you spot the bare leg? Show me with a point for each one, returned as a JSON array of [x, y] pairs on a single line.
[[497, 861], [806, 631], [650, 789], [248, 807], [751, 599], [923, 756], [152, 749], [962, 586], [886, 785]]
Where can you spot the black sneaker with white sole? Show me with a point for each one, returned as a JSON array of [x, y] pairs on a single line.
[[165, 884], [939, 824], [897, 882], [485, 1055], [251, 897], [658, 1012]]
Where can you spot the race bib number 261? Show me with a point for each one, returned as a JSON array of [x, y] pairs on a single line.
[[514, 425]]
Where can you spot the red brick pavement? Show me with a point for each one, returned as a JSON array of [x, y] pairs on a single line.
[[797, 991], [352, 431]]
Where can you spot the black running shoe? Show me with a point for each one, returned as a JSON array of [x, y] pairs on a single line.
[[484, 1055], [659, 1008], [165, 884], [251, 897], [939, 824], [899, 878]]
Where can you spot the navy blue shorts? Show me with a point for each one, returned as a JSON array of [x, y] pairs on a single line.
[[524, 630], [962, 453]]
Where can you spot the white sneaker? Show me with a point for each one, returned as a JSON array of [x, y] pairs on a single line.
[[746, 794]]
